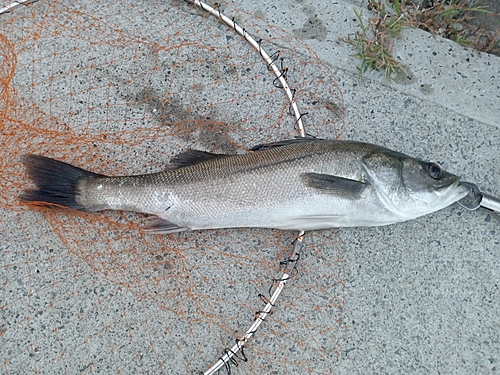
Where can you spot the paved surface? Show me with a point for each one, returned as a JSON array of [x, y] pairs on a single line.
[[421, 297]]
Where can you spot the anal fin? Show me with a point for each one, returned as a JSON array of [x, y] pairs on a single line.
[[158, 225]]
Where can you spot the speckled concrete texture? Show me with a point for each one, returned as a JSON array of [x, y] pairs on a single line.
[[422, 297], [439, 71]]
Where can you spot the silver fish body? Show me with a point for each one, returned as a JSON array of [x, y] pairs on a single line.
[[302, 184]]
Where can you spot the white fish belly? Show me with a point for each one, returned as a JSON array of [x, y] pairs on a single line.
[[305, 211]]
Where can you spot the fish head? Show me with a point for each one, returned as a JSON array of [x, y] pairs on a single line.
[[410, 187]]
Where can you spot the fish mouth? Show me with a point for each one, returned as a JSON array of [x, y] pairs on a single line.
[[456, 191]]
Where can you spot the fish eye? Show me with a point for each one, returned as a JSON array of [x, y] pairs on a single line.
[[435, 171]]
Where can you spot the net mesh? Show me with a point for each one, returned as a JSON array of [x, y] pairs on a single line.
[[119, 89]]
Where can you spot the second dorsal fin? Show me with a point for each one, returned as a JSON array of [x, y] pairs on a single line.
[[191, 157]]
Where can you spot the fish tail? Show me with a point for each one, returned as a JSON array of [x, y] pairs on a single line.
[[55, 181]]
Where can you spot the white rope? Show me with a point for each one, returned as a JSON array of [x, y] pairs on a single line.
[[240, 343], [15, 4], [280, 75], [228, 357]]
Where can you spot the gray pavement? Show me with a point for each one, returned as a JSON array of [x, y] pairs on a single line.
[[422, 297]]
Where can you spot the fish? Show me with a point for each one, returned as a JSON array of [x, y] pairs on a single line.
[[298, 184]]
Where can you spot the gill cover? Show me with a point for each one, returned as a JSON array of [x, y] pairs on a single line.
[[385, 171], [409, 186]]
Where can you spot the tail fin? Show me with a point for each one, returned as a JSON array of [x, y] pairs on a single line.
[[56, 181]]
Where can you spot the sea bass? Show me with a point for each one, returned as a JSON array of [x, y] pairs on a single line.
[[300, 184]]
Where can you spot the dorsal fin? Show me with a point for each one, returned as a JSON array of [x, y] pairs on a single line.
[[267, 146], [191, 157]]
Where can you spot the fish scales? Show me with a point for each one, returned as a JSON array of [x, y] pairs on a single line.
[[230, 191], [301, 185]]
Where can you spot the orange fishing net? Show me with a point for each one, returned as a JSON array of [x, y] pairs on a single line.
[[119, 89]]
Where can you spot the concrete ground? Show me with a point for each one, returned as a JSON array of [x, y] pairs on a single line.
[[422, 297]]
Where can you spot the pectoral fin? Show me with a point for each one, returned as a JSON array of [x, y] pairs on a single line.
[[329, 184]]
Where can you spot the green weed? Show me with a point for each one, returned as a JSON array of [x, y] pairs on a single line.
[[374, 44], [450, 19]]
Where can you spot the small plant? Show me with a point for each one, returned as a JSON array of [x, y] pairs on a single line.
[[374, 44], [449, 19]]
